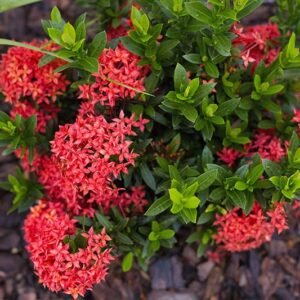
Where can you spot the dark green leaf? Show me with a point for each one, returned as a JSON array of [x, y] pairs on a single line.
[[89, 64], [133, 46], [199, 11], [207, 179], [159, 206], [211, 69], [227, 107], [148, 176], [180, 78], [104, 222], [97, 45], [249, 8], [271, 168]]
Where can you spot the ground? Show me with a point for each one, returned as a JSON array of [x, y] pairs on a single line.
[[271, 272]]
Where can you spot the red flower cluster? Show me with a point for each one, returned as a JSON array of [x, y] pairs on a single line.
[[259, 43], [239, 232], [47, 229], [296, 117], [121, 30], [21, 77], [229, 156], [30, 88], [87, 156], [137, 198], [119, 77], [267, 146]]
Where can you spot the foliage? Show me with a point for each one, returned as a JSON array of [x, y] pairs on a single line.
[[221, 135]]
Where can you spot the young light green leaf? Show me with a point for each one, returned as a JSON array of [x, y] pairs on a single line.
[[6, 5], [127, 262]]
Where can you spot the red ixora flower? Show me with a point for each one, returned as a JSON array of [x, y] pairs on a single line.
[[267, 146], [87, 157], [229, 156], [119, 77], [46, 229], [22, 78], [239, 232], [296, 117], [119, 31], [259, 43]]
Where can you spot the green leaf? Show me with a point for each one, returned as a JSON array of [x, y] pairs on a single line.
[[89, 64], [193, 58], [207, 179], [191, 190], [148, 176], [217, 195], [191, 214], [275, 89], [249, 8], [104, 222], [165, 47], [211, 69], [241, 186], [174, 173], [56, 15], [271, 168], [180, 78], [159, 206], [6, 5], [227, 107], [192, 202], [166, 234], [55, 35], [255, 174], [133, 46], [190, 113], [205, 218], [124, 239], [175, 196], [31, 47], [207, 156], [97, 45], [222, 44], [238, 198], [249, 203], [200, 12], [46, 59], [127, 262], [69, 34]]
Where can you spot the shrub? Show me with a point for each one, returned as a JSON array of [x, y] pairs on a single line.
[[177, 116]]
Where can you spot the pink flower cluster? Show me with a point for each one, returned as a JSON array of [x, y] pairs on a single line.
[[259, 43], [87, 157], [239, 232], [119, 77], [46, 229], [30, 88]]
